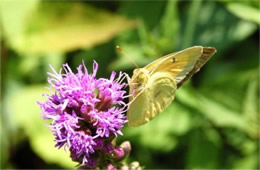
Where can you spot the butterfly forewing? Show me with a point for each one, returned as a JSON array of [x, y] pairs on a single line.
[[182, 65], [207, 52]]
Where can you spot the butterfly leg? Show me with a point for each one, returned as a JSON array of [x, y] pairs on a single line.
[[126, 106], [125, 75]]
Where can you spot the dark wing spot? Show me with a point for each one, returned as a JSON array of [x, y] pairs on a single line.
[[173, 60]]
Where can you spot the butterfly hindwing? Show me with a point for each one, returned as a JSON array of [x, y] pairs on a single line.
[[137, 112], [163, 88], [157, 95]]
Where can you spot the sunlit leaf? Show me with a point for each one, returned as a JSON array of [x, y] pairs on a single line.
[[31, 64], [244, 11], [194, 9], [218, 28], [169, 25], [4, 146], [13, 16], [124, 62], [249, 162], [61, 27], [251, 108], [27, 115]]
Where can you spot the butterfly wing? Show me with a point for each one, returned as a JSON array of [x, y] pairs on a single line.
[[182, 65], [156, 96], [136, 114]]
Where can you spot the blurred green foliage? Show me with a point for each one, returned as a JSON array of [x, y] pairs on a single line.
[[214, 120]]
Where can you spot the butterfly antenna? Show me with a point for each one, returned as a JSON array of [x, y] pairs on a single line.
[[120, 50]]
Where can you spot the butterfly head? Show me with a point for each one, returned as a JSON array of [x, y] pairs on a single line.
[[140, 77]]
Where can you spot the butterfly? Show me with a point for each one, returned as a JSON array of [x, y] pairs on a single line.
[[153, 87]]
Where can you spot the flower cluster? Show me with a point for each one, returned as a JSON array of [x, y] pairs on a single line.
[[86, 112]]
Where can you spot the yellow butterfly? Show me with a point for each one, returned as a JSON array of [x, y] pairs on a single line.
[[154, 86]]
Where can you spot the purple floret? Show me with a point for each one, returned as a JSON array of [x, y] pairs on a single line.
[[85, 111]]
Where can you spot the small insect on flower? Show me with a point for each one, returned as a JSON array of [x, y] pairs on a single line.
[[86, 112]]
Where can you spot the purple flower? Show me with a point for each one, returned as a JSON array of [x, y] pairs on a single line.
[[85, 111]]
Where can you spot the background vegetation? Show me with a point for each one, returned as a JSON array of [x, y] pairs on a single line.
[[214, 120]]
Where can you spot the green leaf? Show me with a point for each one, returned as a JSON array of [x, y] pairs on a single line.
[[191, 23], [249, 162], [14, 15], [4, 144], [220, 115], [154, 36], [136, 9], [162, 39], [216, 27], [228, 82], [160, 134], [133, 51], [32, 63], [169, 27], [81, 26], [244, 11], [27, 114], [148, 46], [251, 108], [202, 153], [178, 118]]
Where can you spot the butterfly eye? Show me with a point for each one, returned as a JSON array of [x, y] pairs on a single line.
[[135, 71]]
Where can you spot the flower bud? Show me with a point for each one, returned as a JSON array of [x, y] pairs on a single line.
[[126, 146], [118, 153], [111, 167], [135, 166], [124, 167]]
